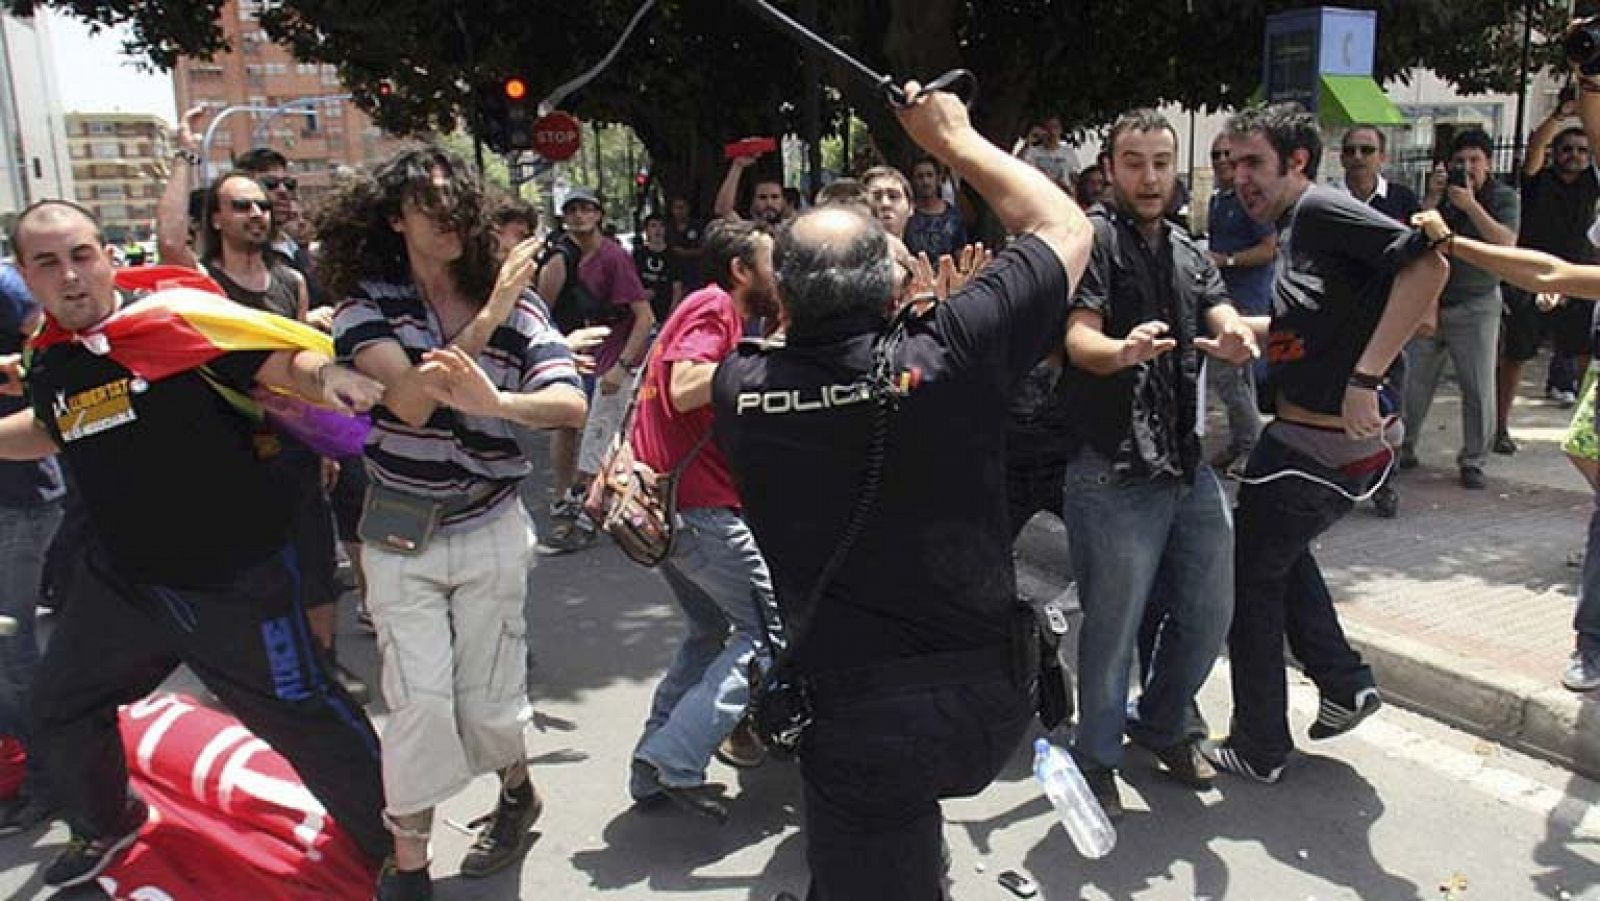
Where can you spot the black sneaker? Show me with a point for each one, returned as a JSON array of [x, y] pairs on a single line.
[[1472, 478], [1386, 501], [700, 799], [1102, 783], [23, 812], [84, 858], [1503, 444], [1334, 718], [1408, 458], [504, 833], [395, 884], [1224, 756]]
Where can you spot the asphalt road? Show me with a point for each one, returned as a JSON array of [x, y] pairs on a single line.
[[1403, 808]]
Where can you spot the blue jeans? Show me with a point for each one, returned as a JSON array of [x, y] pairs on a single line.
[[1586, 622], [1128, 538], [25, 534], [718, 576]]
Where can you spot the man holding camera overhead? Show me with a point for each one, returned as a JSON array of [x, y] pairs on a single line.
[[1475, 205]]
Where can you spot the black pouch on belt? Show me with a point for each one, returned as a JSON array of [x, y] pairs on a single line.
[[396, 521]]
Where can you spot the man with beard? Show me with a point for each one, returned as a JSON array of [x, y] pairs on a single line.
[[1351, 286], [235, 250], [1146, 519], [935, 227], [716, 572], [767, 204]]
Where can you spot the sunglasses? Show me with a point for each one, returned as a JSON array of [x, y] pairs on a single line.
[[273, 182], [1359, 149], [1219, 155], [246, 204]]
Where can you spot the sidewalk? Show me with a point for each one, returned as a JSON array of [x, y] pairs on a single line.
[[1463, 604]]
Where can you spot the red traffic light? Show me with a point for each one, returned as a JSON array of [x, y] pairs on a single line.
[[385, 88], [516, 88]]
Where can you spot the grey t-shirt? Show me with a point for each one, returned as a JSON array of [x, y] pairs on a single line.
[[1468, 282]]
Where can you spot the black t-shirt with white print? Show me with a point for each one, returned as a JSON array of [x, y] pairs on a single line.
[[168, 470]]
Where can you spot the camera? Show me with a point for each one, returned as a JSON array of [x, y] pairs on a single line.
[[1582, 46], [1458, 175]]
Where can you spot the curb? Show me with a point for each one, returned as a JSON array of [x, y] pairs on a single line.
[[1544, 720]]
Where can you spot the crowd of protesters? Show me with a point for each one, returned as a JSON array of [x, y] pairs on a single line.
[[1076, 362]]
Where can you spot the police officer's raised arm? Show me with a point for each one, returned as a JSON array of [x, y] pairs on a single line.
[[1023, 198]]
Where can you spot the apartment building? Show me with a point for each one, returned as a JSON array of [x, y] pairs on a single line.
[[319, 138], [115, 157]]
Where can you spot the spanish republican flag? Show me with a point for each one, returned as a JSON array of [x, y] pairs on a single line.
[[185, 324]]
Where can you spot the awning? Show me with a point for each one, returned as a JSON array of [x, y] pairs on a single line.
[[1356, 99]]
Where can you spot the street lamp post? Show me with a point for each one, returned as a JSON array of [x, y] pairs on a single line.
[[302, 107]]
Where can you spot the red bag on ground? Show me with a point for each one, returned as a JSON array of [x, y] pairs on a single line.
[[229, 818]]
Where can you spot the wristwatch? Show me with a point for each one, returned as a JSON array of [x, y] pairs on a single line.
[[1229, 262], [187, 155]]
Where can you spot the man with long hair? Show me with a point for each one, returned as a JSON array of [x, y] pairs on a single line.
[[465, 359]]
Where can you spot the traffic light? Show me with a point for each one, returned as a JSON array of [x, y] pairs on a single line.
[[504, 115]]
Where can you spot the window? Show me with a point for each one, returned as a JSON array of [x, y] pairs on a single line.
[[106, 151], [114, 211], [100, 128], [109, 192], [249, 10], [306, 68], [333, 110], [277, 69], [330, 76]]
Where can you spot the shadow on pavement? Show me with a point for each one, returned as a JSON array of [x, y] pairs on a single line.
[[1565, 873], [1183, 828], [662, 847]]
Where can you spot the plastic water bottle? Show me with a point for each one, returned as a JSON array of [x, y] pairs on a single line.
[[1080, 813]]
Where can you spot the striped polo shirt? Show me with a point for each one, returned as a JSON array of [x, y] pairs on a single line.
[[473, 463]]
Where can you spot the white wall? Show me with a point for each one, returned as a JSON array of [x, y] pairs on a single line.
[[33, 140]]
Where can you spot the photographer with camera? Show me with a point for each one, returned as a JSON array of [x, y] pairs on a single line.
[[870, 460], [1476, 205]]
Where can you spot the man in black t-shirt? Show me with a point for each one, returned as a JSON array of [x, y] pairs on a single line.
[[918, 654], [1350, 287], [1558, 204], [188, 561], [653, 259], [1146, 517]]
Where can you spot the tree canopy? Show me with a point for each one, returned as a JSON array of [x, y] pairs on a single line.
[[698, 73]]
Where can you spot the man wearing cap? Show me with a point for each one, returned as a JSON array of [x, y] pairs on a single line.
[[606, 291]]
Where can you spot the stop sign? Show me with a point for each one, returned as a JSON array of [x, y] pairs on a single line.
[[556, 136]]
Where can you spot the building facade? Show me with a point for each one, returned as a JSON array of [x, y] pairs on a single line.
[[114, 160], [319, 137], [33, 148]]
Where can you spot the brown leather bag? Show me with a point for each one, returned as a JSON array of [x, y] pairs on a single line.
[[630, 501]]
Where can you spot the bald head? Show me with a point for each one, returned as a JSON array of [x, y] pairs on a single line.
[[50, 213], [833, 264]]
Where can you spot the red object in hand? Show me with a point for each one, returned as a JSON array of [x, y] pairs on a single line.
[[750, 147]]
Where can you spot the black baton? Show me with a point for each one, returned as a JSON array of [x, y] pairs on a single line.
[[892, 92]]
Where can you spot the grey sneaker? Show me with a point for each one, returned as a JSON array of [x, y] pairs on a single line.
[[1583, 672], [570, 529], [1225, 756]]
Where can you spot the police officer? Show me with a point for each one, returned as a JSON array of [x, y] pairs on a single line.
[[913, 653]]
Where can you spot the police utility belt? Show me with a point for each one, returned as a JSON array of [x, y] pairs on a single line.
[[404, 523]]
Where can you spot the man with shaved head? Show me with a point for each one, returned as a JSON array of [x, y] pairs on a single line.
[[189, 558], [916, 656]]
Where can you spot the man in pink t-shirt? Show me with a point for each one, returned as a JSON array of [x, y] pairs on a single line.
[[716, 572]]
